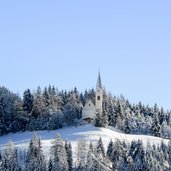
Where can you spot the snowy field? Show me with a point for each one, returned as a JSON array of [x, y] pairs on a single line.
[[74, 134]]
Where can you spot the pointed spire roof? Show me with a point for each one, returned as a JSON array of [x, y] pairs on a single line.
[[99, 82]]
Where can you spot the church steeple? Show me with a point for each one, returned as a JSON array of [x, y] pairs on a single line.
[[99, 82], [99, 94]]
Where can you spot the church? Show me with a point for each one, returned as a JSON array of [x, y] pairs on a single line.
[[90, 109]]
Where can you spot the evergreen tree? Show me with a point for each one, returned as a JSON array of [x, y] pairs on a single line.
[[50, 165], [161, 116], [110, 149], [111, 111], [35, 159], [116, 154], [98, 120], [92, 164], [72, 110], [38, 105], [127, 128], [10, 159], [46, 98], [137, 153], [100, 149], [82, 154], [155, 128], [59, 156], [2, 114], [68, 149], [104, 118], [28, 100]]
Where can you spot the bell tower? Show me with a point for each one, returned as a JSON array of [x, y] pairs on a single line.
[[99, 94]]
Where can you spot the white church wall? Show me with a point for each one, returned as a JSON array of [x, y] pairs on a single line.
[[89, 111]]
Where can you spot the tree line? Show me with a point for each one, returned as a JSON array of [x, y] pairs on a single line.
[[49, 108], [119, 155]]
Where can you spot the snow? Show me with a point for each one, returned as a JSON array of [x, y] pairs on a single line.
[[74, 134]]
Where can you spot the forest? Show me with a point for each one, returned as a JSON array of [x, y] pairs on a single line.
[[51, 109], [120, 156]]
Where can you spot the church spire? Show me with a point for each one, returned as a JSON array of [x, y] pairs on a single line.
[[99, 94], [99, 82]]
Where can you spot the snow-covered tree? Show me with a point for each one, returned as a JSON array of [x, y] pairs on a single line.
[[155, 128], [10, 159], [35, 159], [56, 120], [82, 154], [72, 110], [68, 149], [59, 155], [28, 100], [127, 127], [100, 149], [98, 120], [110, 149], [50, 165]]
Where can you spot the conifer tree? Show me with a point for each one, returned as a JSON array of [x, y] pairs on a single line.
[[127, 128], [98, 120], [50, 165], [155, 128], [100, 148], [10, 159], [2, 114], [104, 118], [28, 101], [110, 149], [59, 156], [92, 164], [68, 149], [35, 159]]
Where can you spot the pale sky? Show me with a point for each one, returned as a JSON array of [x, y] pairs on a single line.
[[64, 43]]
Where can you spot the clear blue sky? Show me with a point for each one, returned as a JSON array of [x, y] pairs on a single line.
[[65, 42]]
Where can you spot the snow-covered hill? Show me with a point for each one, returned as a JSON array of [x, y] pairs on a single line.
[[74, 134]]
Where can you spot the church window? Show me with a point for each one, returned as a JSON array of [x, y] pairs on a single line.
[[98, 97], [89, 104]]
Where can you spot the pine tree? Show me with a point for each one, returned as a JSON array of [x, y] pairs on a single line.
[[100, 149], [46, 98], [116, 154], [10, 159], [155, 128], [28, 100], [111, 111], [98, 120], [38, 105], [104, 118], [72, 110], [68, 149], [137, 153], [59, 156], [50, 165], [35, 159], [2, 114], [82, 154], [127, 128], [110, 149], [92, 164]]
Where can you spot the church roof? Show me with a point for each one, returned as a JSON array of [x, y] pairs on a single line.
[[99, 82]]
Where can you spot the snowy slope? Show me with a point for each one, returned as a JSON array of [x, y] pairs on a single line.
[[73, 134]]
